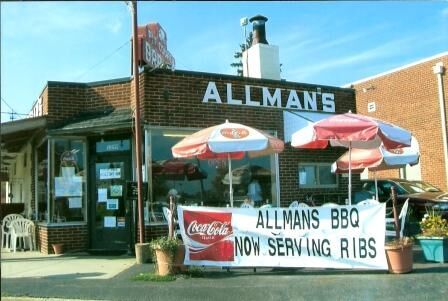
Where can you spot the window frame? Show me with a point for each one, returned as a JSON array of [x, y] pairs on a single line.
[[316, 166]]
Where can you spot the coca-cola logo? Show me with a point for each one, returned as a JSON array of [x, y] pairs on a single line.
[[207, 227], [210, 235], [234, 133], [214, 228]]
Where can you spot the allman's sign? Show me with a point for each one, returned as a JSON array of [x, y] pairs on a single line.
[[279, 98]]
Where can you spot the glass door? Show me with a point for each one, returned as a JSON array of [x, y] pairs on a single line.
[[111, 215]]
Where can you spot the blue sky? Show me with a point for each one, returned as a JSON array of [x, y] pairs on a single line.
[[327, 43]]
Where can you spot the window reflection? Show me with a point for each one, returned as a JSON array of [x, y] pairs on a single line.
[[205, 182], [68, 198]]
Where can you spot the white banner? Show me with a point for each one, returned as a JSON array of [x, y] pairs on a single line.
[[324, 237]]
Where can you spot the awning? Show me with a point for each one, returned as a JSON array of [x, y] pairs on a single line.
[[295, 120], [99, 121], [15, 134]]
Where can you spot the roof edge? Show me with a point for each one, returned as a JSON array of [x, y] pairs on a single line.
[[421, 61]]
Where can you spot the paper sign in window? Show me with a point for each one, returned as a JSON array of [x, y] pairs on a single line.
[[74, 203], [112, 204], [110, 173], [102, 194], [71, 186], [116, 190], [68, 172], [110, 222], [121, 222]]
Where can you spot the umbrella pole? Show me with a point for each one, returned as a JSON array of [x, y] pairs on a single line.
[[349, 172], [230, 179], [376, 187]]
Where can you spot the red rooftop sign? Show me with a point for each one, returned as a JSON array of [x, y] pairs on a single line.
[[152, 46]]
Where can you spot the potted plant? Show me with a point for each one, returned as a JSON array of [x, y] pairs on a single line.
[[168, 250], [164, 249], [398, 251], [434, 237]]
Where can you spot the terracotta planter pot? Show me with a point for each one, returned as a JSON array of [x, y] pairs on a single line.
[[58, 248], [179, 259], [164, 262], [399, 258]]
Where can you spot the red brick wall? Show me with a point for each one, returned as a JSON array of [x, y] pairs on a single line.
[[74, 237], [175, 99], [409, 98]]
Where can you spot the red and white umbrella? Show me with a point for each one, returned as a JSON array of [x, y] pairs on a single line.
[[227, 140], [376, 159], [351, 131]]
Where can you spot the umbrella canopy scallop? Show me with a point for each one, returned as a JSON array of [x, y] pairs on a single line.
[[376, 159], [228, 138], [343, 129]]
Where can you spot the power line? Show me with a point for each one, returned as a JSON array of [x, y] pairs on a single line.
[[102, 60], [12, 110], [14, 113]]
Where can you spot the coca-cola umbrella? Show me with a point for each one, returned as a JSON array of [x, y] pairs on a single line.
[[227, 140], [351, 131], [376, 159]]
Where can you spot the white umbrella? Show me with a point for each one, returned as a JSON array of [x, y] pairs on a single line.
[[376, 159], [227, 140], [351, 131]]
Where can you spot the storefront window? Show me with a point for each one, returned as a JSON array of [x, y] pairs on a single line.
[[68, 198], [316, 175], [204, 182]]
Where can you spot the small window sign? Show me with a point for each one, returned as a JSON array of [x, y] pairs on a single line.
[[371, 107], [113, 146]]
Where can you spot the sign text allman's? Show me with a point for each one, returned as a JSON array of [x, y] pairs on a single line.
[[278, 98]]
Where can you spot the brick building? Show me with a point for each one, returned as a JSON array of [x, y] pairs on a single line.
[[73, 162], [415, 97]]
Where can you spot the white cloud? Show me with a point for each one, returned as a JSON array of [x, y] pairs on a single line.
[[388, 49]]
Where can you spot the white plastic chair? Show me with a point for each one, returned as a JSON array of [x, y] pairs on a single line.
[[294, 204], [402, 220], [6, 229], [24, 230], [167, 214], [266, 206], [330, 204]]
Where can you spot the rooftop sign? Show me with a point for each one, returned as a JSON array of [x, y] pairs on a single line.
[[152, 44]]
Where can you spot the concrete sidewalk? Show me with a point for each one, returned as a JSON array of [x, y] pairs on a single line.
[[32, 276]]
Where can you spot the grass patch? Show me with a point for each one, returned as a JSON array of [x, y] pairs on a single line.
[[192, 272], [153, 277]]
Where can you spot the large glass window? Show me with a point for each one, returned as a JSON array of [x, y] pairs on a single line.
[[68, 187], [316, 175], [204, 182]]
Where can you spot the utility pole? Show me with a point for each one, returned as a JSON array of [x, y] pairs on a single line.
[[138, 144]]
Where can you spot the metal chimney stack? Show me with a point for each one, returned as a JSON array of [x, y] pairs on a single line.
[[259, 30]]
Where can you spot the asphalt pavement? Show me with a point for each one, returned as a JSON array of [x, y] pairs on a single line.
[[30, 276]]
